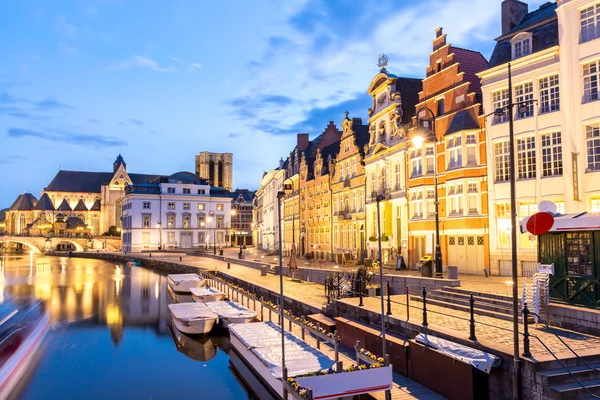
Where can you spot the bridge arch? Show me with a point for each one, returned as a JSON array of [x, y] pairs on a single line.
[[29, 245], [57, 241]]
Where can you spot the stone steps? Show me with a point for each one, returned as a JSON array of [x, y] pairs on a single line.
[[574, 390]]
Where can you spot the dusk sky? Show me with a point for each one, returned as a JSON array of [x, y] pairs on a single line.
[[160, 81]]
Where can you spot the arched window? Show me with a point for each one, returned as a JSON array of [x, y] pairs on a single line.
[[95, 224], [118, 212], [21, 227], [81, 217]]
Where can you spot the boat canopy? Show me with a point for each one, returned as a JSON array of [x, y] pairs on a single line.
[[584, 221], [205, 291], [230, 309], [264, 340], [178, 278], [191, 311]]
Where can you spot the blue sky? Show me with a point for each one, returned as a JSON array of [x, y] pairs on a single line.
[[159, 81]]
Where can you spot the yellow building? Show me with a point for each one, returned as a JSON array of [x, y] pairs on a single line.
[[348, 192]]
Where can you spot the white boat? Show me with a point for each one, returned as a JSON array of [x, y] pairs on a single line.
[[230, 312], [199, 349], [259, 345], [205, 294], [180, 297], [193, 318], [182, 283]]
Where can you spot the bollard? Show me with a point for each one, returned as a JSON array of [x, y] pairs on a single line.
[[526, 352], [228, 265], [389, 299], [150, 255], [284, 379], [407, 305], [424, 307], [360, 296], [180, 258], [472, 320]]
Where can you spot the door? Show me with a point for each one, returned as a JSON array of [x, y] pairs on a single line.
[[186, 240]]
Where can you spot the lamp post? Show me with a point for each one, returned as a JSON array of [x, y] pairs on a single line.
[[418, 141], [211, 216], [378, 198], [280, 195], [159, 226], [290, 187]]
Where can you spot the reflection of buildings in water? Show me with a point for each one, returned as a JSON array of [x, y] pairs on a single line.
[[78, 290]]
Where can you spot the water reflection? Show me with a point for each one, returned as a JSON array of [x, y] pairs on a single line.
[[111, 330]]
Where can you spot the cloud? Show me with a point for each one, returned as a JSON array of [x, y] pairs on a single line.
[[51, 104], [195, 66], [137, 122], [93, 121], [7, 98], [12, 159], [234, 135], [63, 27], [66, 137], [142, 62], [66, 49]]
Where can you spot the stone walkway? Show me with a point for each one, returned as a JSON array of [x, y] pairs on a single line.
[[491, 330]]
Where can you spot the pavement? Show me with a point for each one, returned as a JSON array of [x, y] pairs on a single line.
[[491, 330]]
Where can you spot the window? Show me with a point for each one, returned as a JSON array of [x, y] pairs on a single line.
[[526, 161], [201, 191], [219, 222], [590, 23], [500, 100], [549, 94], [186, 220], [440, 107], [201, 222], [560, 206], [590, 81], [454, 146], [200, 206], [201, 238], [430, 203], [521, 48], [187, 191], [455, 199], [579, 253], [416, 162], [186, 206], [170, 237], [592, 134], [170, 206], [397, 176], [595, 204], [171, 221], [146, 221], [170, 190], [417, 204], [472, 197], [219, 207], [527, 208], [503, 210], [552, 154], [524, 94], [429, 159]]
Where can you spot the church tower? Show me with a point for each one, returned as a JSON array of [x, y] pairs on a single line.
[[118, 162], [217, 168]]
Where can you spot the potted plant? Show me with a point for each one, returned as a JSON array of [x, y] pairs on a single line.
[[384, 238], [372, 238]]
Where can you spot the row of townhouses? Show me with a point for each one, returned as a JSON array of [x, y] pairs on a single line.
[[553, 53]]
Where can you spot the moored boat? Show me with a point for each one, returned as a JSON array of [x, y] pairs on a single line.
[[180, 297], [193, 318], [134, 263], [230, 312], [182, 283], [206, 294], [199, 349]]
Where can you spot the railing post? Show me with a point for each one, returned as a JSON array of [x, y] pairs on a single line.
[[336, 346], [526, 352], [424, 307], [472, 320], [338, 285], [284, 379], [389, 299], [407, 305], [360, 293]]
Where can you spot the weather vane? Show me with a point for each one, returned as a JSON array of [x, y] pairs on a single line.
[[383, 61]]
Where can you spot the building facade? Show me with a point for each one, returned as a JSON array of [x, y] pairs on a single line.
[[554, 56], [216, 168], [179, 211], [393, 106], [241, 218], [266, 212]]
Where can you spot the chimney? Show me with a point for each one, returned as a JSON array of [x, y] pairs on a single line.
[[356, 121], [302, 141], [281, 163], [513, 12]]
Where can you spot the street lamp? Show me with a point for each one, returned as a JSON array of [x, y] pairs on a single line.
[[280, 195], [211, 216], [418, 142], [159, 226], [378, 198], [286, 187]]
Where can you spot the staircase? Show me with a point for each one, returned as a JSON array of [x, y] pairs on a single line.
[[560, 385], [486, 304]]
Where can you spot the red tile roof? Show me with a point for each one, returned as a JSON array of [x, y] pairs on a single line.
[[471, 62]]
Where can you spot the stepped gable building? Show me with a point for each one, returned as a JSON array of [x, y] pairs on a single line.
[[394, 100], [554, 56], [348, 191], [241, 222], [216, 168], [449, 104], [294, 203]]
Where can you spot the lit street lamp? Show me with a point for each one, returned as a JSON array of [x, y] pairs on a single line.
[[418, 142], [378, 198], [280, 195]]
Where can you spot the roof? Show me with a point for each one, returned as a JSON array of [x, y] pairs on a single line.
[[3, 214], [44, 204], [246, 194], [74, 222], [332, 150], [80, 206], [541, 23], [96, 206], [409, 89], [185, 178], [89, 182], [471, 63], [219, 192], [24, 202], [463, 120], [64, 206]]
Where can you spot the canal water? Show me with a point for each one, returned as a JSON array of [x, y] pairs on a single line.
[[110, 335]]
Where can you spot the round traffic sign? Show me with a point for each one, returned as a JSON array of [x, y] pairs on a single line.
[[540, 223]]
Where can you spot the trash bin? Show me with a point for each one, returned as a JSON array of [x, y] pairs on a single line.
[[425, 265], [220, 252], [263, 270], [452, 272]]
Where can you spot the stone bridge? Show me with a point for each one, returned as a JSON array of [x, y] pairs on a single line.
[[40, 244]]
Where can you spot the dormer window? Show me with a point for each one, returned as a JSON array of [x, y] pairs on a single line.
[[521, 45]]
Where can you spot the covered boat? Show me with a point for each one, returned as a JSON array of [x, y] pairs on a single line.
[[231, 312], [193, 318], [205, 294], [182, 283]]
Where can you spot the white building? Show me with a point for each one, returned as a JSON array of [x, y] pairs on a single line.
[[179, 211], [554, 54], [265, 210]]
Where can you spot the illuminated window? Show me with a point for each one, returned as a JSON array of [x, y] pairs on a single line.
[[146, 221], [503, 210], [591, 76], [501, 161], [416, 204], [592, 134], [416, 162], [200, 206], [526, 159], [500, 101], [171, 221], [524, 94], [186, 221], [549, 94], [552, 154], [595, 204], [560, 206], [219, 207]]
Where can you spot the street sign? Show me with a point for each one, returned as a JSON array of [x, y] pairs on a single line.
[[540, 223], [546, 268]]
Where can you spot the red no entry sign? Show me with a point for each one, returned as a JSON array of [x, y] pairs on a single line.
[[540, 223]]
